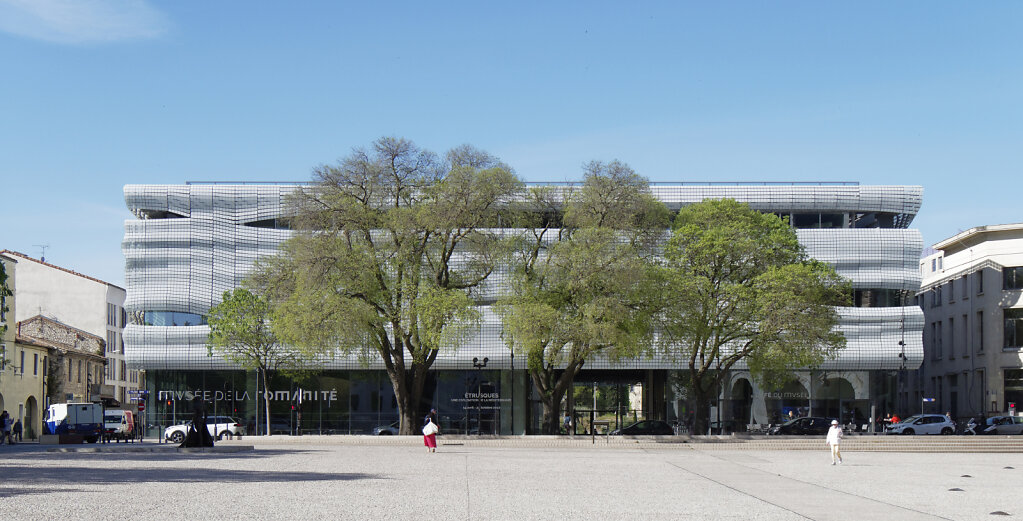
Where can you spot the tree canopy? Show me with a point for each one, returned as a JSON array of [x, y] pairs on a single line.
[[582, 284], [740, 289], [241, 331], [392, 243], [5, 292]]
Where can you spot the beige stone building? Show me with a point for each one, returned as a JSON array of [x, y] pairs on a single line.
[[22, 368], [972, 298], [75, 358], [81, 301]]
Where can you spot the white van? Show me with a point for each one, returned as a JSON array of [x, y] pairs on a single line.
[[118, 425]]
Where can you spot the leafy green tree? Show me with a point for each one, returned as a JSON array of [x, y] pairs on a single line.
[[741, 290], [392, 246], [241, 331], [5, 292], [582, 278]]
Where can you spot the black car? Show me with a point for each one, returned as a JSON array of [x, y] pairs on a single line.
[[647, 428], [806, 425]]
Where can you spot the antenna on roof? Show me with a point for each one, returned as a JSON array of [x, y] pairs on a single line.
[[42, 248]]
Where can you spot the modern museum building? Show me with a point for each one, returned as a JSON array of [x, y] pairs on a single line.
[[190, 243]]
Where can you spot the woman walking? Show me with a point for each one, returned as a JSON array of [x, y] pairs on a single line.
[[430, 431], [834, 438]]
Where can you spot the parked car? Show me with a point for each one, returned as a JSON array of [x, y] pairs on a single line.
[[1003, 425], [387, 430], [219, 427], [814, 425], [924, 424], [646, 428]]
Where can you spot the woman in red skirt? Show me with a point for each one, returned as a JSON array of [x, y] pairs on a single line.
[[430, 431]]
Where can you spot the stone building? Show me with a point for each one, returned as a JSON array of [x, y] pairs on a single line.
[[972, 298], [81, 301], [22, 367], [75, 367]]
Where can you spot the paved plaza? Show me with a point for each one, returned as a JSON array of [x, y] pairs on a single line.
[[464, 480]]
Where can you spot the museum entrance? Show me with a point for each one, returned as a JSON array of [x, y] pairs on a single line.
[[617, 398]]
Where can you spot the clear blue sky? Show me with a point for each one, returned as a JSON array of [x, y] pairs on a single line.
[[95, 94]]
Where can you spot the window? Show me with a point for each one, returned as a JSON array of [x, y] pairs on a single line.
[[1012, 278], [951, 338], [951, 290], [35, 364], [966, 291], [1013, 328], [980, 331], [124, 371], [966, 340], [79, 371], [22, 361], [880, 298], [172, 318], [979, 277], [940, 266], [70, 369], [937, 340], [937, 295], [933, 264]]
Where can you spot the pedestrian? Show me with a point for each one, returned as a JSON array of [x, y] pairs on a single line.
[[834, 438], [5, 428], [896, 419], [430, 431], [16, 430], [567, 423]]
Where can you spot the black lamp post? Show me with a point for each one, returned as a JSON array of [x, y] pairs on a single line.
[[479, 389]]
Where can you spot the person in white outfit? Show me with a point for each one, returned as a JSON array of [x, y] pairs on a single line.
[[834, 438]]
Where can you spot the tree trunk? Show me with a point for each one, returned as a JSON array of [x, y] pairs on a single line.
[[408, 391], [701, 410], [551, 412], [266, 400], [552, 392]]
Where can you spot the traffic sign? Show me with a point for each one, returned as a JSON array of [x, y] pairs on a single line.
[[928, 399], [135, 392], [142, 407]]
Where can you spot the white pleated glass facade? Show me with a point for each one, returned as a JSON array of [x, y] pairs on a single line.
[[192, 242]]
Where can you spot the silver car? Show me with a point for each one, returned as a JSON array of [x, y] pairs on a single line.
[[924, 424], [1003, 425]]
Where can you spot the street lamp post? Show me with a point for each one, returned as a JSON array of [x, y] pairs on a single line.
[[479, 389]]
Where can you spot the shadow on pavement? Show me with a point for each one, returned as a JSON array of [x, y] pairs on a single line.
[[159, 455], [44, 478], [11, 492]]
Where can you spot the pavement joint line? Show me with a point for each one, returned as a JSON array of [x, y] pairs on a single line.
[[818, 485], [754, 496], [468, 491]]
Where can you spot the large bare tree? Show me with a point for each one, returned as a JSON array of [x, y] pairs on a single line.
[[392, 243]]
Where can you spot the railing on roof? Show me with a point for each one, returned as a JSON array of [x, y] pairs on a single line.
[[715, 183], [571, 183], [246, 182]]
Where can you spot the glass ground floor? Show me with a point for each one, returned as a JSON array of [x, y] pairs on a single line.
[[503, 402]]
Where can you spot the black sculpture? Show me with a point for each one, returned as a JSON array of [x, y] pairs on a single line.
[[196, 436]]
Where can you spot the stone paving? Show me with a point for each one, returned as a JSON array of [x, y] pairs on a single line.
[[359, 478]]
